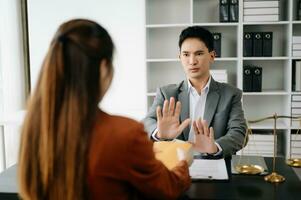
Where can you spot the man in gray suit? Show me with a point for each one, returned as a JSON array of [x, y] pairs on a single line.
[[218, 125]]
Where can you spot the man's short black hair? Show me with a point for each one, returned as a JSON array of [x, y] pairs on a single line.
[[197, 32]]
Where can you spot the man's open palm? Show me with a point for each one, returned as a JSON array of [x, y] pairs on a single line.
[[168, 123]]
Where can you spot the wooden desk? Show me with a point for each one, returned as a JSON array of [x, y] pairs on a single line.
[[237, 187]]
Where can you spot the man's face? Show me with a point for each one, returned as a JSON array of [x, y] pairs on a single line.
[[196, 58]]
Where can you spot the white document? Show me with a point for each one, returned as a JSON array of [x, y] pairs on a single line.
[[208, 169]]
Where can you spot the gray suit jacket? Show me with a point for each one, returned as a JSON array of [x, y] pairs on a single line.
[[223, 111]]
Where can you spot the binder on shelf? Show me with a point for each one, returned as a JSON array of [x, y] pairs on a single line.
[[298, 17], [293, 78], [233, 11], [248, 44], [257, 44], [224, 10], [267, 44], [217, 43], [247, 79], [257, 79]]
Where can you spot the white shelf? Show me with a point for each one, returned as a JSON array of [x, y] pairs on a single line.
[[296, 57], [226, 59], [266, 23], [279, 92], [166, 25], [163, 60], [299, 93], [266, 58], [296, 22], [216, 24]]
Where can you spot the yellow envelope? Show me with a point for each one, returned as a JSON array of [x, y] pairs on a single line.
[[171, 152]]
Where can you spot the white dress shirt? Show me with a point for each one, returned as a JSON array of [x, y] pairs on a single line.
[[196, 105]]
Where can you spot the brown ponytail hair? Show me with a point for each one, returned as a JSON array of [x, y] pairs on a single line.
[[61, 113]]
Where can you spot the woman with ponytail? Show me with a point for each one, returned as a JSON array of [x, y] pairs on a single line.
[[70, 149]]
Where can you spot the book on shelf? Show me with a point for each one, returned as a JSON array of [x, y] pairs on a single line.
[[296, 136], [297, 75], [296, 46], [296, 123], [296, 53], [261, 18], [261, 137], [260, 148], [296, 143], [296, 104], [296, 111], [233, 11], [260, 4], [255, 153], [295, 155], [224, 10], [261, 11], [296, 39], [296, 150], [296, 97]]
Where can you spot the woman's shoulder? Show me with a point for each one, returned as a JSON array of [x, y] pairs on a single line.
[[120, 123]]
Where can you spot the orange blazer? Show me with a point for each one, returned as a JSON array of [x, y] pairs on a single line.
[[121, 163]]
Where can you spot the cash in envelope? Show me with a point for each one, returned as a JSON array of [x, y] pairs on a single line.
[[171, 152]]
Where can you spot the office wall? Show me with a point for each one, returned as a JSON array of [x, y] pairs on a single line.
[[125, 22], [123, 19], [13, 81]]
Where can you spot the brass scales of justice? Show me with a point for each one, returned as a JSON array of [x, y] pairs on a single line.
[[274, 177]]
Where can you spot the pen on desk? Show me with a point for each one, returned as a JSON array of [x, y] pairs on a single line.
[[201, 176]]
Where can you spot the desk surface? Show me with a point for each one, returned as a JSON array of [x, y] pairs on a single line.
[[250, 186], [238, 187]]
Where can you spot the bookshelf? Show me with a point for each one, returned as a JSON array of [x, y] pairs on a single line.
[[166, 18]]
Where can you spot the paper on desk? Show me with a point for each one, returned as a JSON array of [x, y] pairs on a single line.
[[208, 169]]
